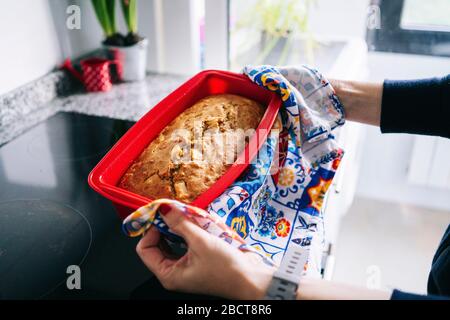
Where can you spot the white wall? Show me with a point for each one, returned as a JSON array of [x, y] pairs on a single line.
[[77, 41], [181, 45], [169, 26], [81, 41], [29, 47]]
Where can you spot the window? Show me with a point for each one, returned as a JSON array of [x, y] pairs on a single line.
[[269, 32], [426, 15], [412, 26]]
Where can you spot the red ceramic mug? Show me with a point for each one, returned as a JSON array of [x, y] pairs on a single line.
[[95, 73]]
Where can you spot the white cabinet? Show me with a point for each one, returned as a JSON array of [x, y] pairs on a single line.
[[430, 162], [350, 64]]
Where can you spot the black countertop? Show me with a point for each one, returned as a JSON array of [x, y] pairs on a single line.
[[50, 219]]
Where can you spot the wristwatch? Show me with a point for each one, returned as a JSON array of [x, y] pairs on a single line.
[[286, 279]]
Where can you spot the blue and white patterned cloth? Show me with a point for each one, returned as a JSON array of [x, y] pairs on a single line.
[[277, 202]]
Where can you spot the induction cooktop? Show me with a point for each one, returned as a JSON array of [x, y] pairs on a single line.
[[51, 220]]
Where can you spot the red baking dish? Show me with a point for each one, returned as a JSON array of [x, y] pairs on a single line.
[[106, 175]]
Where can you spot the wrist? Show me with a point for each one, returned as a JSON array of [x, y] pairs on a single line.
[[319, 289], [361, 100], [254, 282]]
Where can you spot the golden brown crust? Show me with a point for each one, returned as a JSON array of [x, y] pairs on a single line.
[[182, 164]]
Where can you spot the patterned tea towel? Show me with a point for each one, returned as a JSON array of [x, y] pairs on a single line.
[[277, 202]]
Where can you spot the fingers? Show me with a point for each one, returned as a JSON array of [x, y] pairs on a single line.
[[151, 255], [150, 238], [183, 226]]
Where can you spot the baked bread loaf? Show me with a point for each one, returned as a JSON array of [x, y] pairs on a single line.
[[195, 149]]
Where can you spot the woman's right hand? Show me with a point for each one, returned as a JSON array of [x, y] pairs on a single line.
[[210, 266]]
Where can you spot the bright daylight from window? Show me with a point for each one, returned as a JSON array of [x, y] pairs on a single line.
[[429, 14]]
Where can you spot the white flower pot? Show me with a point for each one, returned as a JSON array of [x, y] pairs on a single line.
[[133, 60]]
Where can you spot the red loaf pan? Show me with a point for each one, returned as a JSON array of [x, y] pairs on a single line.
[[106, 175]]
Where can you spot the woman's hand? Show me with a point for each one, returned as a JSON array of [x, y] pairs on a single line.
[[210, 266]]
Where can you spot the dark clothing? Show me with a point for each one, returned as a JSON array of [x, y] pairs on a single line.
[[417, 106], [421, 107], [400, 295], [439, 279]]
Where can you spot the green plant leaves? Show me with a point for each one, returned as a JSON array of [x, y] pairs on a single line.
[[111, 8], [278, 18], [129, 9], [104, 10]]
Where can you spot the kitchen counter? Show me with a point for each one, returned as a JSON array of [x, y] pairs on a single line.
[[31, 104], [45, 201]]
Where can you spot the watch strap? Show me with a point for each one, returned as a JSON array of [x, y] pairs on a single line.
[[286, 279]]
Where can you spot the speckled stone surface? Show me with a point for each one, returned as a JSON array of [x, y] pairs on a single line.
[[27, 98], [31, 104]]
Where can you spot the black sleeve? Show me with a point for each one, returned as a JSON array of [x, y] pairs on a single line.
[[400, 295], [439, 278], [416, 106]]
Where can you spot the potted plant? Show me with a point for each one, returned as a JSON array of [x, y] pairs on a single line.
[[279, 23], [130, 50]]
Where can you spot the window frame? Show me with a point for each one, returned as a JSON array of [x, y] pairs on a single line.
[[217, 26], [391, 37]]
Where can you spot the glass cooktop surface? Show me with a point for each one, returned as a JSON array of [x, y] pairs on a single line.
[[51, 220]]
